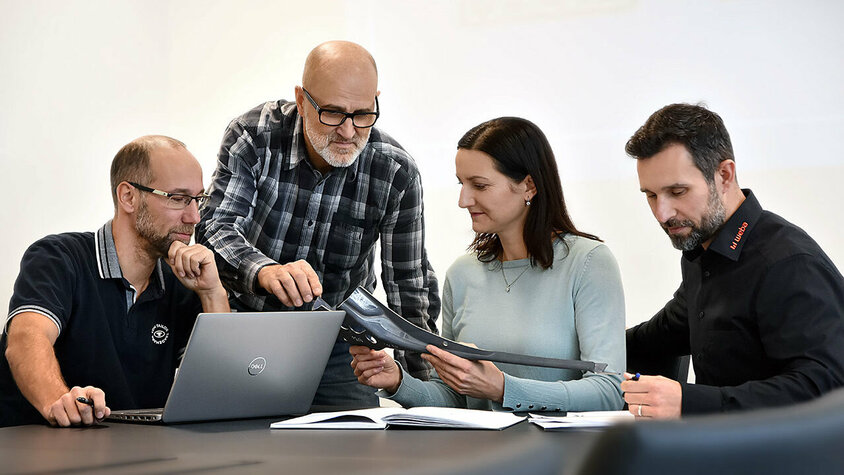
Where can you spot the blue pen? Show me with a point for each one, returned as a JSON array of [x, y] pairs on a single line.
[[636, 377]]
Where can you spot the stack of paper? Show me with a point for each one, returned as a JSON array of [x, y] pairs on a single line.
[[381, 417], [574, 420]]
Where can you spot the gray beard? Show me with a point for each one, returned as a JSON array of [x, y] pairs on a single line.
[[322, 146], [710, 223]]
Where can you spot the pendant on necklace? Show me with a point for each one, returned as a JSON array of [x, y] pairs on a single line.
[[507, 289]]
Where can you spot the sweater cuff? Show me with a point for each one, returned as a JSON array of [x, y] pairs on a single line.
[[519, 397], [700, 399], [406, 390]]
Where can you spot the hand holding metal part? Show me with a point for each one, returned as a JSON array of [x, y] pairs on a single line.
[[372, 324]]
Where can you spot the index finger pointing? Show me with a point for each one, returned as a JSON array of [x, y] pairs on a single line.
[[316, 287]]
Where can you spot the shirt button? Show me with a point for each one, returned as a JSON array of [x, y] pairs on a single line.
[[543, 408], [310, 223], [700, 315], [530, 407], [519, 405], [706, 274]]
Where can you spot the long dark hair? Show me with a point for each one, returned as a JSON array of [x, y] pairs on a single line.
[[519, 148]]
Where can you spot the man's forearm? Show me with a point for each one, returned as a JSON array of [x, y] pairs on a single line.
[[36, 370], [216, 301]]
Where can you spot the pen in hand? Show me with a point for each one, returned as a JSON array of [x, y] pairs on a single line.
[[636, 377], [88, 402], [85, 400]]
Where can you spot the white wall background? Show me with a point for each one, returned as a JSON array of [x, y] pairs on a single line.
[[81, 78]]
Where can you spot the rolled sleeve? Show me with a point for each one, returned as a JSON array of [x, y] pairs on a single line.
[[229, 215]]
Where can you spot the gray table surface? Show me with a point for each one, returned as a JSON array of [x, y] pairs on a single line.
[[250, 446]]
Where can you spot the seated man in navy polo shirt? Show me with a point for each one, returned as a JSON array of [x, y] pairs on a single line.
[[97, 320]]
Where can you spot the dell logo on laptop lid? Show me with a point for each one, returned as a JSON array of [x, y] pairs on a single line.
[[257, 366]]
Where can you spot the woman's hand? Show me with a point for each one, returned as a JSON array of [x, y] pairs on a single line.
[[375, 368], [479, 379]]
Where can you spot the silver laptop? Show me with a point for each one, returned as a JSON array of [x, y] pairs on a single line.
[[242, 364]]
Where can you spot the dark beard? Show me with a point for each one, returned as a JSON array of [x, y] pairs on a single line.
[[158, 245], [710, 223]]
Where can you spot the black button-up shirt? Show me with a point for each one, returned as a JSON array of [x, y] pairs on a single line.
[[761, 312]]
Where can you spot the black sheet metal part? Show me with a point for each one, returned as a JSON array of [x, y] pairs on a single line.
[[372, 324]]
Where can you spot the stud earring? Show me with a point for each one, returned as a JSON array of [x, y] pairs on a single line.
[[527, 202]]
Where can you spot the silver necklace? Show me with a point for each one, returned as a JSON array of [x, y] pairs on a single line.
[[510, 284]]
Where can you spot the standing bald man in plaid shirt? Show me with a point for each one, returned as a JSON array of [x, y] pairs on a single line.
[[302, 192]]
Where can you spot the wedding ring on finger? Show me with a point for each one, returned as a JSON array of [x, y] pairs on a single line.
[[640, 410]]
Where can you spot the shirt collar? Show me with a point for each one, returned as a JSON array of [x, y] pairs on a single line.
[[106, 251], [298, 150], [735, 232]]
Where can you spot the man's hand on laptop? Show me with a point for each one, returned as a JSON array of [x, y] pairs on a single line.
[[293, 284], [79, 406]]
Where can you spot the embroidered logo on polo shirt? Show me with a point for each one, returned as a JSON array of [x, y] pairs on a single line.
[[739, 234], [159, 333]]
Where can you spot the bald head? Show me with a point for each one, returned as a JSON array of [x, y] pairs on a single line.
[[132, 162], [335, 59]]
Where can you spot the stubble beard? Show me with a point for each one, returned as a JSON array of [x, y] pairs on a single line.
[[157, 244]]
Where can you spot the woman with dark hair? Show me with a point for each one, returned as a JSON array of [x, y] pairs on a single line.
[[533, 284]]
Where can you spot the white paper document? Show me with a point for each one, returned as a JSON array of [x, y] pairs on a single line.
[[575, 420], [381, 417]]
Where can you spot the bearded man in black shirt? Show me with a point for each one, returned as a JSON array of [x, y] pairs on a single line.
[[761, 306]]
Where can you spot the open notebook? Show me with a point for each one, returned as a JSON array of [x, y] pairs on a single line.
[[381, 417]]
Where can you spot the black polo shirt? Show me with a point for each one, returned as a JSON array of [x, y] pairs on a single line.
[[128, 349], [761, 311]]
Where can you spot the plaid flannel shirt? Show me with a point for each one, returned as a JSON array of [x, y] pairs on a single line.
[[270, 205]]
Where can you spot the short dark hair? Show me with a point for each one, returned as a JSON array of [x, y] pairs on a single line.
[[697, 128], [519, 148], [132, 161]]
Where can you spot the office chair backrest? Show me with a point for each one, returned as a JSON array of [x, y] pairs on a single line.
[[799, 439]]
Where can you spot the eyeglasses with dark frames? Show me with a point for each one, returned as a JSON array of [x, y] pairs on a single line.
[[175, 200], [333, 118]]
